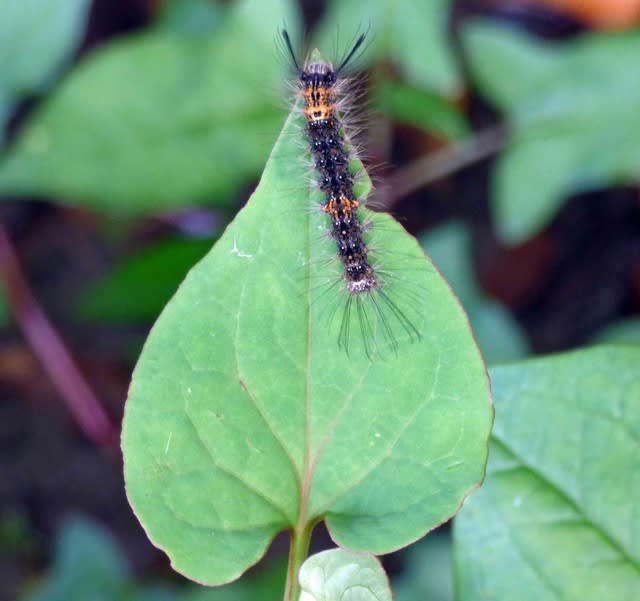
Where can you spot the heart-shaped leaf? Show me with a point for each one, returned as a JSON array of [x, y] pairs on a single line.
[[557, 516], [340, 574], [245, 417], [573, 114]]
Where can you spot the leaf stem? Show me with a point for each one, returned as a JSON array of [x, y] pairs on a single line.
[[298, 552]]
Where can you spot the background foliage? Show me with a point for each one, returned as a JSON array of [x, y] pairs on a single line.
[[131, 133]]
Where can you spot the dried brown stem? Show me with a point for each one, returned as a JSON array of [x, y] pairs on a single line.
[[442, 163], [50, 349]]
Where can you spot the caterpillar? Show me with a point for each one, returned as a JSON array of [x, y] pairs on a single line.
[[321, 87]]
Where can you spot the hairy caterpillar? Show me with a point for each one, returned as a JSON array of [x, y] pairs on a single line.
[[323, 90]]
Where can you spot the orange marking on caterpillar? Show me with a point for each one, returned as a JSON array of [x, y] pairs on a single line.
[[319, 102], [344, 204]]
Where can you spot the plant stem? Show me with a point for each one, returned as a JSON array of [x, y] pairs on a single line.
[[450, 159], [297, 554], [50, 349]]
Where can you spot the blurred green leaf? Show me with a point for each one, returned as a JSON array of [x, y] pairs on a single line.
[[421, 109], [245, 418], [573, 114], [428, 573], [158, 120], [6, 106], [88, 564], [556, 518], [265, 584], [37, 37], [4, 308], [192, 17], [16, 532], [499, 335], [412, 34], [339, 574], [138, 288], [625, 331], [449, 245]]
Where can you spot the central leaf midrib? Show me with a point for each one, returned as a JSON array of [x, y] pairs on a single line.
[[307, 474]]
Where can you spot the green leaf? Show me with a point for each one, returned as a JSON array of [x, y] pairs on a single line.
[[572, 110], [193, 17], [557, 516], [265, 584], [412, 34], [245, 418], [88, 565], [449, 245], [138, 288], [339, 574], [37, 38], [158, 119], [4, 307], [428, 572], [499, 335], [17, 533], [422, 109], [6, 107], [624, 331]]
